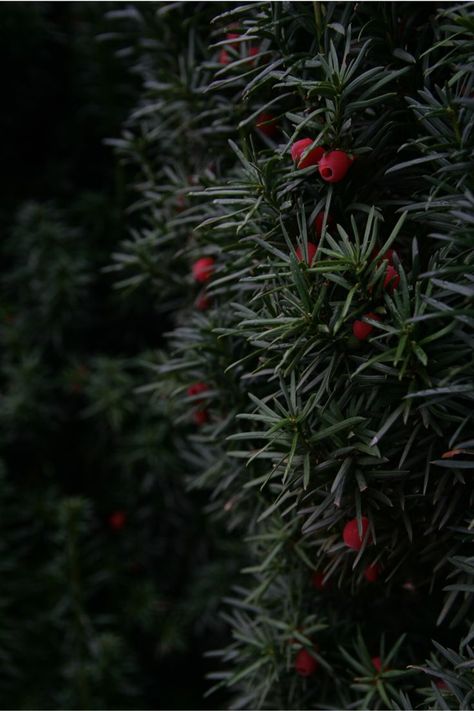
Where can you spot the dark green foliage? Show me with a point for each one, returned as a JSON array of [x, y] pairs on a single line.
[[308, 427], [92, 616]]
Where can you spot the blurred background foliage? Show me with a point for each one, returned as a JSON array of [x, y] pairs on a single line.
[[106, 564]]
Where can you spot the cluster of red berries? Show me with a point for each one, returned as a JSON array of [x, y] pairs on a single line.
[[200, 416], [332, 165]]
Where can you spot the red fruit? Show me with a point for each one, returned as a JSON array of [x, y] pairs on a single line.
[[200, 417], [392, 279], [387, 256], [311, 158], [334, 165], [312, 249], [351, 535], [231, 36], [253, 52], [371, 573], [305, 664], [203, 302], [203, 269], [362, 330], [224, 57], [377, 662], [196, 389], [441, 684], [266, 124], [117, 520], [318, 222], [317, 580]]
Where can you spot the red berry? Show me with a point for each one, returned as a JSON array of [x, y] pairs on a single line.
[[311, 158], [200, 417], [371, 573], [203, 302], [377, 662], [266, 124], [334, 165], [441, 684], [253, 52], [117, 520], [224, 56], [231, 36], [392, 279], [196, 389], [387, 256], [317, 580], [312, 249], [351, 535], [362, 330], [305, 664], [203, 269], [318, 222]]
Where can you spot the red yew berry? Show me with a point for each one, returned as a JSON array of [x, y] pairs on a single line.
[[202, 269], [224, 57], [371, 573], [203, 302], [266, 124], [441, 684], [253, 52], [377, 662], [196, 389], [318, 222], [387, 256], [334, 165], [392, 279], [317, 581], [312, 157], [312, 249], [117, 520], [200, 417], [305, 663], [362, 330], [351, 535]]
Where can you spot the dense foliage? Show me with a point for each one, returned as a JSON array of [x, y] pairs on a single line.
[[319, 372], [107, 565]]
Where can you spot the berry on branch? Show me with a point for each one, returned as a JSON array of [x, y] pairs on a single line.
[[377, 662], [361, 329], [392, 279], [196, 389], [318, 582], [310, 157], [305, 663], [203, 269], [200, 417], [351, 535], [203, 302], [372, 572], [334, 165], [319, 220], [117, 520], [266, 124], [312, 249]]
